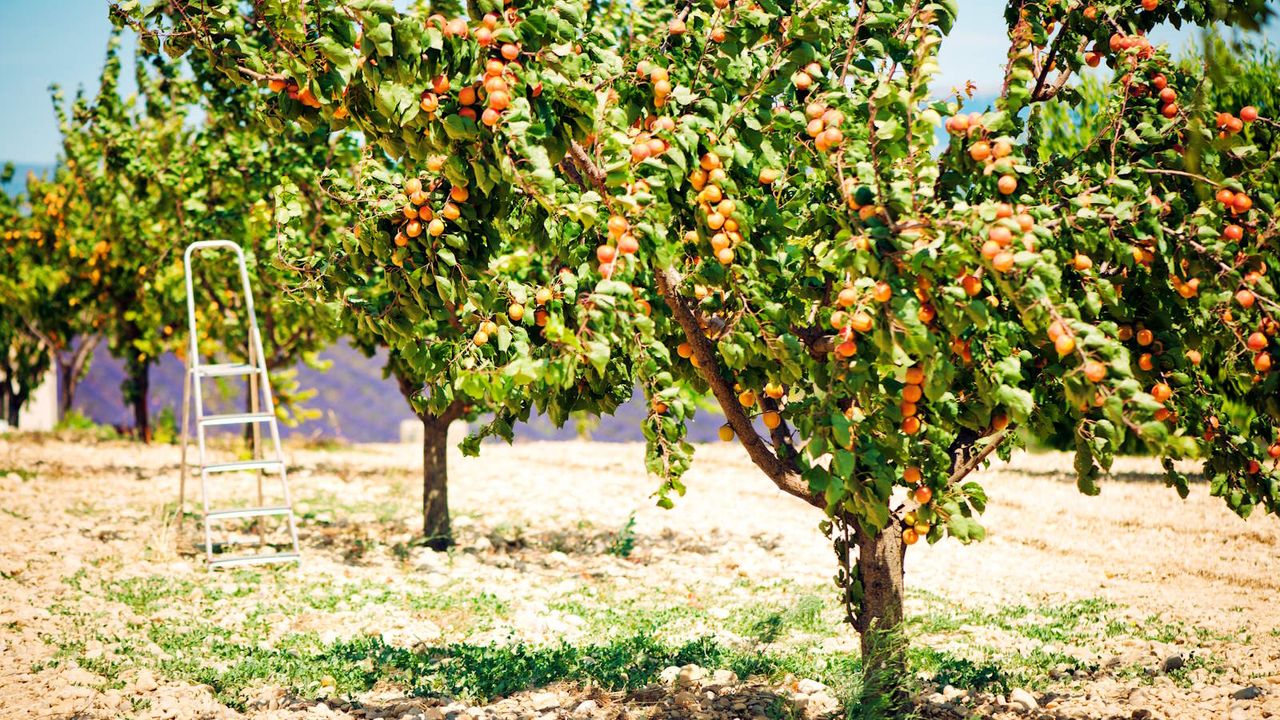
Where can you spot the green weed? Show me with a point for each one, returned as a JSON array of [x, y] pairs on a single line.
[[625, 541]]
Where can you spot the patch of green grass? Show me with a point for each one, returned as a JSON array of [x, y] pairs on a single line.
[[25, 474], [1210, 664], [625, 541], [770, 629], [947, 669], [231, 663], [1173, 631], [78, 423], [768, 624], [1070, 622], [144, 595]]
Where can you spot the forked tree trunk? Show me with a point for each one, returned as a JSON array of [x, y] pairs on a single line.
[[885, 689], [70, 371], [435, 482]]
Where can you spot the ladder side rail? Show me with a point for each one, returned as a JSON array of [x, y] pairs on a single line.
[[268, 398], [204, 476]]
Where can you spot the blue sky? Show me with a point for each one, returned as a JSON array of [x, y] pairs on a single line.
[[62, 41]]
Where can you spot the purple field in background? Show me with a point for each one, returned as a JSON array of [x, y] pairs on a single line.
[[355, 402]]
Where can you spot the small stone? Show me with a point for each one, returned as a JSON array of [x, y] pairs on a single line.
[[1024, 700], [724, 677], [689, 676], [1247, 693], [810, 687], [544, 701], [586, 707], [145, 682], [669, 674], [951, 694], [80, 676], [1173, 662]]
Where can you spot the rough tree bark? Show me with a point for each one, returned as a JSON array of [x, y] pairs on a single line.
[[879, 620], [436, 529], [137, 380], [140, 380]]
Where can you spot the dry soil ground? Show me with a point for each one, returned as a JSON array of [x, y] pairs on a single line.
[[1133, 604]]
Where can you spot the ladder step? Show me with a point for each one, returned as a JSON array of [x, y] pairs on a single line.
[[248, 512], [225, 369], [254, 559], [243, 465], [236, 418]]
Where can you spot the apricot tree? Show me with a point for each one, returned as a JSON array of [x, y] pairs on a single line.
[[748, 198], [23, 359], [144, 175], [45, 288]]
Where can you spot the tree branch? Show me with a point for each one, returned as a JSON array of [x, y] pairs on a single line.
[[588, 168], [967, 466], [782, 473]]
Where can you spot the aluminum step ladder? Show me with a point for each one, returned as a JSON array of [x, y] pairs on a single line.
[[260, 413]]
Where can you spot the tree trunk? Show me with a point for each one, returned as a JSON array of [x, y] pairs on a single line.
[[138, 387], [16, 401], [436, 528], [885, 683], [435, 482], [70, 371], [4, 395], [66, 388]]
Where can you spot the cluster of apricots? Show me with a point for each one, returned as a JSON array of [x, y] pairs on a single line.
[[1259, 343], [645, 144], [1229, 124], [1138, 44], [485, 100], [824, 126], [659, 78], [849, 319], [998, 247], [1167, 96], [747, 398], [718, 210], [621, 244], [419, 216], [861, 199], [516, 309], [803, 79], [912, 391], [914, 526], [994, 154], [301, 94], [20, 234]]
